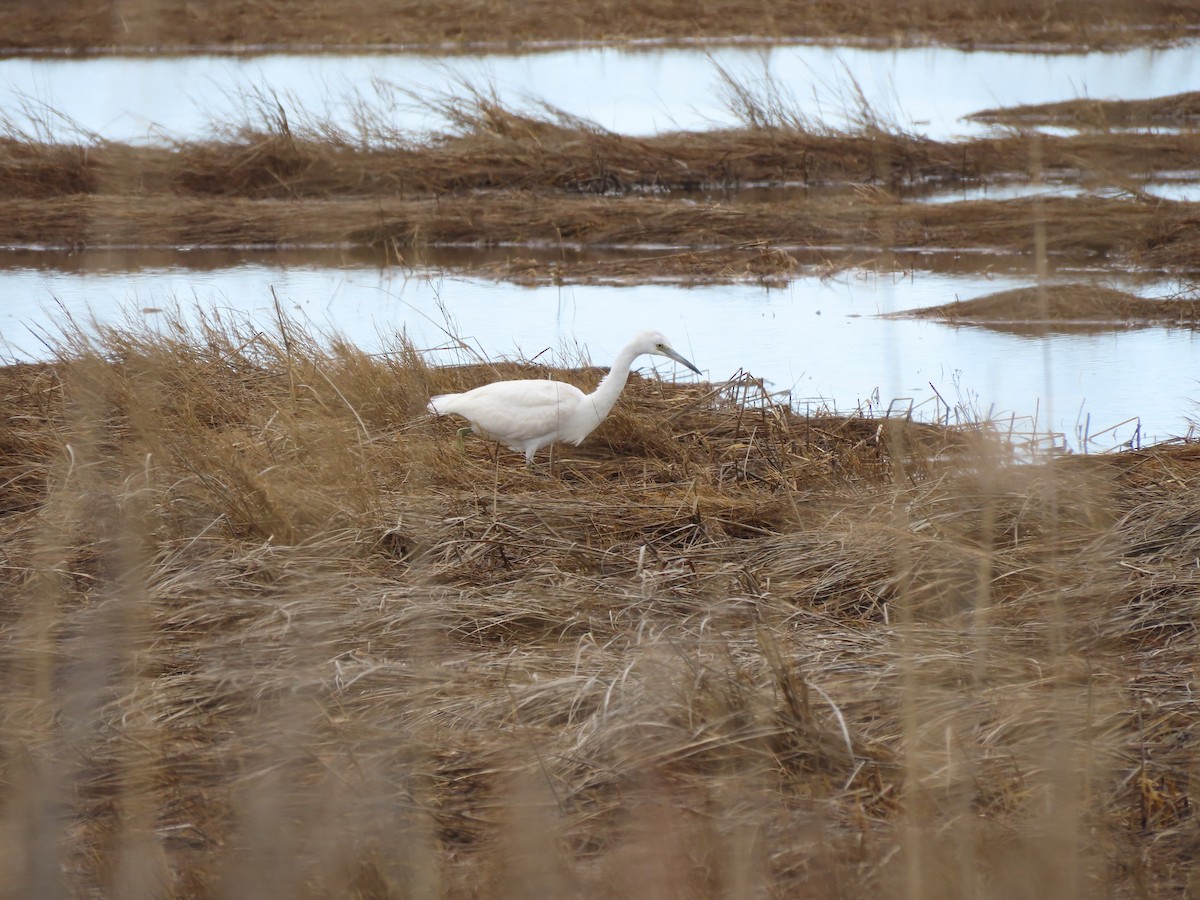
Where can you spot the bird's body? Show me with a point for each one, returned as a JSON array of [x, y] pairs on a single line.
[[527, 414]]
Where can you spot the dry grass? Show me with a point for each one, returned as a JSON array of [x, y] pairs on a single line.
[[1065, 307], [548, 180], [268, 632], [281, 153], [1178, 110], [729, 238], [231, 25]]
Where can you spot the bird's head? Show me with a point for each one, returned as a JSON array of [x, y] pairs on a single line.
[[656, 342]]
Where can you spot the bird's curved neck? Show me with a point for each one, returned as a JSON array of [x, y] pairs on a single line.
[[600, 402]]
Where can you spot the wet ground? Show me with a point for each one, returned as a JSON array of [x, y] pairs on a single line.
[[810, 320], [247, 578], [824, 342]]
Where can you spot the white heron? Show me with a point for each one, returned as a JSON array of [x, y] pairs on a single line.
[[527, 414]]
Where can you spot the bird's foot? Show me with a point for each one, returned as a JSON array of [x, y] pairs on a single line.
[[463, 432]]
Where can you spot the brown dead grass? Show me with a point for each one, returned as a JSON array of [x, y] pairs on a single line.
[[270, 633], [554, 182], [1065, 307], [232, 25], [267, 632], [495, 149], [1178, 110], [1153, 234], [754, 261]]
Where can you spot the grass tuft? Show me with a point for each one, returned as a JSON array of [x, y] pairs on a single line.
[[261, 607]]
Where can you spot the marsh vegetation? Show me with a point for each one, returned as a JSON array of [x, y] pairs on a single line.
[[503, 178], [260, 608], [268, 631], [237, 25]]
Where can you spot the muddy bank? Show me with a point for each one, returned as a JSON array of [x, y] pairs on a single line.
[[503, 151], [514, 180], [1178, 111], [1161, 236], [1065, 308], [235, 25]]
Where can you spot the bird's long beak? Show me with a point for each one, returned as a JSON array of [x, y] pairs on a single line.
[[667, 351]]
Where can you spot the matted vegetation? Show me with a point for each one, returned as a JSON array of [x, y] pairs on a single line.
[[269, 632], [234, 25], [502, 178], [1065, 307], [1154, 235], [1178, 110]]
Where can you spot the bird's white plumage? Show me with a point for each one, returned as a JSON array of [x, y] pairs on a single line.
[[528, 414], [519, 414]]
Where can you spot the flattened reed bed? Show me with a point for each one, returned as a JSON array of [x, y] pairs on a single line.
[[234, 25], [269, 630], [739, 240], [492, 147], [1085, 307], [550, 180], [1175, 110]]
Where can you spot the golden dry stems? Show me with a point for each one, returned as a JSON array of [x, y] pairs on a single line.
[[269, 632], [500, 149], [233, 25], [1157, 235], [1178, 110], [1059, 307], [550, 181]]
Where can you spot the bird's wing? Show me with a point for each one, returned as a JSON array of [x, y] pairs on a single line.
[[513, 411]]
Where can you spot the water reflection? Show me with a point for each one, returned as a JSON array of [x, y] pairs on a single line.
[[820, 341], [1183, 191], [973, 265], [1179, 187], [926, 89]]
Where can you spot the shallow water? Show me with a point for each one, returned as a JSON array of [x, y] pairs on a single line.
[[1176, 189], [819, 341], [928, 90]]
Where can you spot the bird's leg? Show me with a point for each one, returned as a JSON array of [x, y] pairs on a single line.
[[535, 468], [463, 432]]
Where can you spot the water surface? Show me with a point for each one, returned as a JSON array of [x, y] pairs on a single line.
[[638, 92], [820, 342]]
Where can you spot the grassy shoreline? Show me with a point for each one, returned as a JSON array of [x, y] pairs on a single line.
[[1075, 308], [235, 26], [498, 149], [248, 581], [748, 243], [267, 630], [513, 180]]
